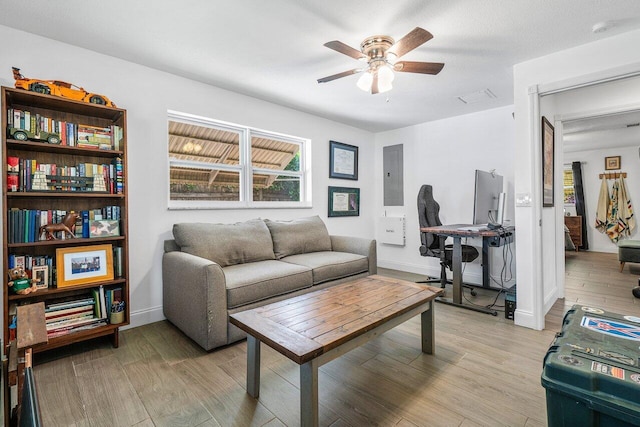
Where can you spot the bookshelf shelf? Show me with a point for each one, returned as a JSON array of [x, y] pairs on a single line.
[[63, 194], [45, 147], [44, 294], [82, 336], [66, 242], [76, 122]]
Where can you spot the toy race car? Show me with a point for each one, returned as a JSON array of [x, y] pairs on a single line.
[[59, 88]]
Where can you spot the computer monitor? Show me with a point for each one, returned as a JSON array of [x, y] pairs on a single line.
[[487, 195]]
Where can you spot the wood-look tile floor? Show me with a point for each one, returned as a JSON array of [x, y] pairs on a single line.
[[486, 371]]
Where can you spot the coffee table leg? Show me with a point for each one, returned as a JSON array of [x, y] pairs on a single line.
[[253, 366], [428, 330], [309, 394]]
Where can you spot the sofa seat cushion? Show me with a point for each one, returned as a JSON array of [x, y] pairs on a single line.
[[330, 265], [226, 244], [256, 281], [299, 236]]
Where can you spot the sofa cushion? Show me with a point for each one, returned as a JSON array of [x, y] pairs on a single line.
[[330, 265], [247, 283], [226, 244], [299, 236]]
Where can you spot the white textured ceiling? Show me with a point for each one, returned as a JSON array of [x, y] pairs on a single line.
[[273, 50]]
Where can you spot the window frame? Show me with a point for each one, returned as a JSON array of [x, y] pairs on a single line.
[[245, 167], [564, 187]]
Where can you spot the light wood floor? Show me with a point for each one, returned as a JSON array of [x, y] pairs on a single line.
[[486, 371]]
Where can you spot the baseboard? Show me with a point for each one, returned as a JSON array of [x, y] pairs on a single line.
[[144, 317], [525, 319], [550, 300]]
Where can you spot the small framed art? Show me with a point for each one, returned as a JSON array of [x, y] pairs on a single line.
[[104, 228], [41, 274], [612, 163], [344, 201], [84, 264], [343, 161], [547, 162]]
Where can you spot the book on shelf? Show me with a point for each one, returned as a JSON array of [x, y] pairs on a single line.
[[64, 313], [69, 304], [70, 329], [117, 261], [75, 320], [119, 176]]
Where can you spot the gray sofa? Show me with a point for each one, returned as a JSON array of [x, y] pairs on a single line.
[[212, 270]]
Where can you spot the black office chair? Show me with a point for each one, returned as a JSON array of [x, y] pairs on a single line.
[[433, 244]]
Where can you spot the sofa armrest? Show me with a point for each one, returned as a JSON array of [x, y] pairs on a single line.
[[194, 298], [357, 245]]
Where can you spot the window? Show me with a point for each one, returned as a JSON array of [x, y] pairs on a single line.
[[569, 191], [213, 164]]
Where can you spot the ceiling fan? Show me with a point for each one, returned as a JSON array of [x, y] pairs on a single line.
[[381, 54]]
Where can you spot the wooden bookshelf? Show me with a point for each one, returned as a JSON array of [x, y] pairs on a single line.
[[63, 154]]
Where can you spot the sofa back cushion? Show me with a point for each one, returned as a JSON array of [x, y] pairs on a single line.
[[226, 244], [299, 236]]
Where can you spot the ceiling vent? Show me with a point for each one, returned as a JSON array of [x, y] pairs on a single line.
[[481, 95]]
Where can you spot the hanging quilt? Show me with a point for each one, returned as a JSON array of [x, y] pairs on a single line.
[[620, 219], [602, 211]]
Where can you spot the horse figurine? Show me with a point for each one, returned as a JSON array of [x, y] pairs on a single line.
[[67, 225]]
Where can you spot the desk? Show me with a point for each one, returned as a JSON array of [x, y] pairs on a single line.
[[489, 238]]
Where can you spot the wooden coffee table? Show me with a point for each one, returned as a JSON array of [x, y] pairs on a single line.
[[317, 327]]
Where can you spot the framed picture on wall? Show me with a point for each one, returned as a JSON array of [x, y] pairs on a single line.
[[612, 163], [343, 161], [547, 163], [344, 201]]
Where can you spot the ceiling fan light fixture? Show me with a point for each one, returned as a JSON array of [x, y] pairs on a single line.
[[381, 54], [385, 75], [385, 78], [365, 81]]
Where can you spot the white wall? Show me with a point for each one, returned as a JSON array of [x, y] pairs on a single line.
[[147, 94], [592, 166], [445, 154], [607, 57]]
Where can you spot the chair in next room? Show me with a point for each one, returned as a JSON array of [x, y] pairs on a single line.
[[433, 245]]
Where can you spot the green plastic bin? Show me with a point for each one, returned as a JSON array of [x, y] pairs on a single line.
[[591, 371]]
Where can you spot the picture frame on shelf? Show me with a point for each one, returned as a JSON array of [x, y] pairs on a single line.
[[344, 201], [343, 161], [41, 274], [104, 228], [612, 163], [84, 265], [547, 163]]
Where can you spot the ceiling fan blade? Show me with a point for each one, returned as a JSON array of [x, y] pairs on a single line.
[[418, 67], [415, 38], [345, 49], [374, 84], [339, 75]]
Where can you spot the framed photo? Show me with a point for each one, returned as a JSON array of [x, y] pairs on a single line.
[[344, 201], [84, 264], [343, 161], [104, 228], [547, 163], [41, 274], [612, 163]]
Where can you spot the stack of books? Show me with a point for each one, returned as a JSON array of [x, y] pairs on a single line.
[[72, 316]]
